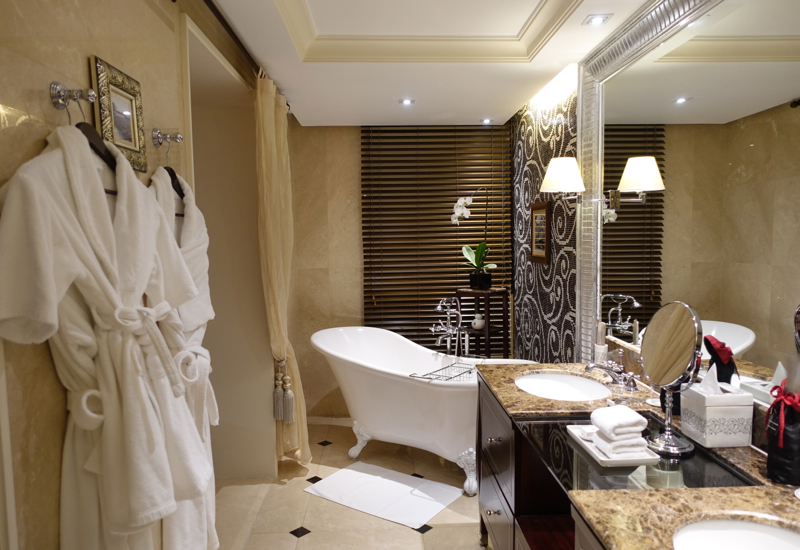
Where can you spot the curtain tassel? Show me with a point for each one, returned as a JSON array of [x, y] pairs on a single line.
[[278, 397], [288, 401]]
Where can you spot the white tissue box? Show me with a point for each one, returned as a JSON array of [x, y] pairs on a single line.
[[717, 420]]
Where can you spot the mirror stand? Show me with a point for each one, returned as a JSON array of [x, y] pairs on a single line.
[[668, 443]]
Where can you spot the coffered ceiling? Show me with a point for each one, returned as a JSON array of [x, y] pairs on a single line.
[[351, 62]]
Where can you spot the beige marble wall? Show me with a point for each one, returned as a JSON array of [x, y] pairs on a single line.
[[327, 286], [733, 225]]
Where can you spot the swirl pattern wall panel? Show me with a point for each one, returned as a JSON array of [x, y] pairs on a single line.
[[544, 294]]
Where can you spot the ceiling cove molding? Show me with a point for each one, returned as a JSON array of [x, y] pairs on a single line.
[[545, 21], [733, 49]]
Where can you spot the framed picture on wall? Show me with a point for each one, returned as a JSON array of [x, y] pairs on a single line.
[[540, 232], [118, 111]]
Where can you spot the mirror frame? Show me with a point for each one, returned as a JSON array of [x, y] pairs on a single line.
[[645, 30]]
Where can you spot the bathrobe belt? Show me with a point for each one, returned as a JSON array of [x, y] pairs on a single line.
[[194, 365], [141, 321]]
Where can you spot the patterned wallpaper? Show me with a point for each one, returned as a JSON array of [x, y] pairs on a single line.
[[544, 295]]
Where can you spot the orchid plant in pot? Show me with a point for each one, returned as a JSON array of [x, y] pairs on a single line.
[[479, 278]]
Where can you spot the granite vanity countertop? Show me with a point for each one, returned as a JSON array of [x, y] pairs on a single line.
[[520, 404], [647, 519]]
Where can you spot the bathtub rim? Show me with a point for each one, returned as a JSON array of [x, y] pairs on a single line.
[[368, 365]]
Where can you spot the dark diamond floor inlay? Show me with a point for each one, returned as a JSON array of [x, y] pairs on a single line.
[[325, 443], [417, 475], [302, 531], [314, 479], [424, 529]]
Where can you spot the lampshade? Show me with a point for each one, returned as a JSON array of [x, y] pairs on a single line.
[[641, 174], [562, 176]]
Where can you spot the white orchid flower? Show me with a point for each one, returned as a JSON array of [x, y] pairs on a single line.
[[460, 210], [609, 215]]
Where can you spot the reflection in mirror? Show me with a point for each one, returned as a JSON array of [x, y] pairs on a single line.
[[797, 329], [670, 354], [671, 343], [713, 105]]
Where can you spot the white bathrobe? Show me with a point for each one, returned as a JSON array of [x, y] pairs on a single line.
[[95, 286], [192, 525]]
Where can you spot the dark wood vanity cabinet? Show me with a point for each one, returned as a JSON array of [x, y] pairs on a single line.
[[522, 505]]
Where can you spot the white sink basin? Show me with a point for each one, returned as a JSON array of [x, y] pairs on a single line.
[[562, 387], [732, 534]]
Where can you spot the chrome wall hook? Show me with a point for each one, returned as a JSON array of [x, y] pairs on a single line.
[[159, 138], [61, 96]]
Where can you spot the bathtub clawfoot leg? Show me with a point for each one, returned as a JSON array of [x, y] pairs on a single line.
[[467, 461], [363, 439]]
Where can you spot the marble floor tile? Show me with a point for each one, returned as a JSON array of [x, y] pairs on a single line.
[[462, 511], [259, 514], [453, 538], [237, 509], [341, 434], [283, 508], [272, 541], [361, 540]]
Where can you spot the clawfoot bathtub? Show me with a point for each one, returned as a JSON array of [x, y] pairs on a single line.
[[372, 367]]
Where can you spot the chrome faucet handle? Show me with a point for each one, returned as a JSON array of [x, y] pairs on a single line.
[[629, 381], [614, 367]]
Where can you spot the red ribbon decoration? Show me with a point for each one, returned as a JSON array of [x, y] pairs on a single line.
[[784, 398]]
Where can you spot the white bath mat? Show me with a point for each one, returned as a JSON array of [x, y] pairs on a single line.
[[397, 497]]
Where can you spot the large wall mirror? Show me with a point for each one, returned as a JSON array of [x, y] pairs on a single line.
[[713, 104], [710, 98]]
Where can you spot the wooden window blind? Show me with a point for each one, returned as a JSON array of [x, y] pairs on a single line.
[[631, 261], [410, 178]]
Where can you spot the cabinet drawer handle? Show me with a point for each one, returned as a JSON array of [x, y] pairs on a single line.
[[494, 440], [493, 512]]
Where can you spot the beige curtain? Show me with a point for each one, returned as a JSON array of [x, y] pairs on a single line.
[[276, 237]]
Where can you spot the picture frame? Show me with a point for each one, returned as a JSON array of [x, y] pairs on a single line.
[[118, 111], [540, 232]]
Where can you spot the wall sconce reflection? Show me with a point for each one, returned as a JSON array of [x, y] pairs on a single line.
[[641, 176]]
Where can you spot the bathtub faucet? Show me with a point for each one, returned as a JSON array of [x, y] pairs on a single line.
[[449, 331]]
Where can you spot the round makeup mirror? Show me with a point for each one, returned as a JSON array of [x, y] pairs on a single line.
[[671, 343], [671, 351]]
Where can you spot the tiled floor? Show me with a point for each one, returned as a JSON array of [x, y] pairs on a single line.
[[279, 515]]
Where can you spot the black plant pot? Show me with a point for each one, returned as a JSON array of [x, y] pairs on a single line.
[[480, 281]]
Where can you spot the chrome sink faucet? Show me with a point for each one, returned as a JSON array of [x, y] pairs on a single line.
[[622, 327], [449, 331], [616, 372]]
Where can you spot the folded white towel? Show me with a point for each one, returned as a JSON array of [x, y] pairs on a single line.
[[619, 422], [614, 449]]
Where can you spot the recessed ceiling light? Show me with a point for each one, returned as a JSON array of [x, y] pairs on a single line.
[[597, 19], [126, 113], [407, 101], [487, 120], [682, 100]]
